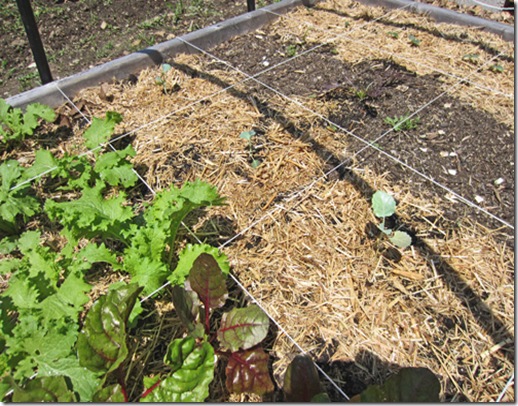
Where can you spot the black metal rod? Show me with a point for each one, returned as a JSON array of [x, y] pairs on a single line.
[[29, 22], [250, 4]]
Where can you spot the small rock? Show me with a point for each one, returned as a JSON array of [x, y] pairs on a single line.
[[32, 65], [104, 24], [452, 172], [498, 181], [479, 199]]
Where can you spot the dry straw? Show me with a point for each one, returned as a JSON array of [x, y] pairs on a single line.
[[448, 304]]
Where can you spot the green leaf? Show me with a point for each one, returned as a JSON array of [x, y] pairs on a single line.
[[84, 381], [243, 328], [44, 162], [101, 345], [101, 130], [33, 112], [301, 381], [408, 385], [92, 214], [383, 204], [247, 135], [186, 305], [187, 257], [193, 371], [47, 389], [113, 168], [401, 239], [247, 371], [111, 393], [14, 202], [207, 280]]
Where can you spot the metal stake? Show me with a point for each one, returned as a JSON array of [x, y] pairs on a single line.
[[29, 22]]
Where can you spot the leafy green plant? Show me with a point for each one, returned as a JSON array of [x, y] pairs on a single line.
[[16, 204], [414, 41], [248, 135], [161, 80], [301, 382], [407, 385], [496, 68], [291, 50], [16, 125], [471, 58], [402, 123], [383, 206]]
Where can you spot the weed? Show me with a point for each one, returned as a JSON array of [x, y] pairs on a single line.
[[291, 50], [29, 80], [402, 123], [393, 34]]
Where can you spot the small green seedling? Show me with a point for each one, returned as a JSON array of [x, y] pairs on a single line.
[[471, 58], [162, 80], [393, 34], [415, 42], [383, 206], [248, 135], [402, 123], [291, 50], [496, 68]]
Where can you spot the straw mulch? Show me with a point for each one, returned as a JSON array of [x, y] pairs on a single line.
[[296, 237]]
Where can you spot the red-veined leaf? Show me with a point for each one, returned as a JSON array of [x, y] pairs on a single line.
[[247, 371], [207, 280], [101, 345], [243, 328]]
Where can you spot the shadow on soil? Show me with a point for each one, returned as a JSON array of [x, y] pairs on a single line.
[[489, 322]]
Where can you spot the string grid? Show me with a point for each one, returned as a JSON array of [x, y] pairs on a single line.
[[297, 197]]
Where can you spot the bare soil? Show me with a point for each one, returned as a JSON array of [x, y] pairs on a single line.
[[79, 34]]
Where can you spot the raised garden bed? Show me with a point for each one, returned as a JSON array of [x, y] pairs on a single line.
[[317, 97]]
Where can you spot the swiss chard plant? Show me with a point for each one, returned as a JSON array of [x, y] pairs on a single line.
[[94, 360]]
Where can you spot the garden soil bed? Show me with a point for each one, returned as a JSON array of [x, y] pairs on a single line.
[[299, 229]]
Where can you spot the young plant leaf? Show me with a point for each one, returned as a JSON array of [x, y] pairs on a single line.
[[247, 372], [401, 239], [186, 305], [207, 280], [111, 393], [101, 345], [243, 328], [101, 130], [115, 169], [187, 257], [408, 385], [247, 135], [383, 204], [193, 371], [301, 380], [47, 389]]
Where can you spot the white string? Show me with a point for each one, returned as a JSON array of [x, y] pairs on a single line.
[[371, 144], [346, 36], [238, 283], [507, 386]]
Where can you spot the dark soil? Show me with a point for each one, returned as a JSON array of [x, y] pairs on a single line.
[[79, 34], [440, 143]]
